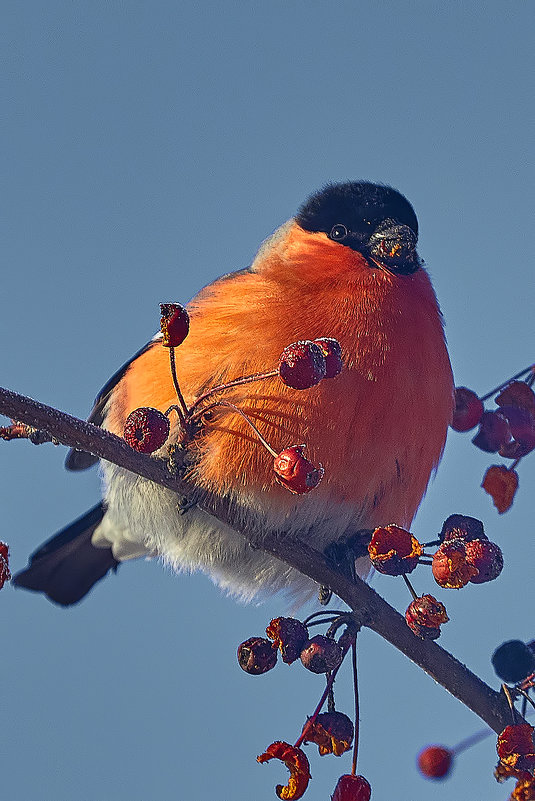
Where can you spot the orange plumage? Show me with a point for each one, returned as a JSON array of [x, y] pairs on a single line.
[[345, 267]]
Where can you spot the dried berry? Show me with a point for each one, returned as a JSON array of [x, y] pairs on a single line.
[[295, 472], [394, 551], [501, 483], [450, 567], [516, 748], [289, 637], [333, 355], [5, 573], [435, 761], [486, 557], [513, 661], [424, 617], [146, 429], [297, 763], [174, 324], [257, 655], [522, 426], [332, 732], [494, 432], [352, 788], [302, 365], [321, 654], [468, 409], [462, 527], [518, 394]]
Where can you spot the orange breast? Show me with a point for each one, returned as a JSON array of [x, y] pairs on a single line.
[[378, 428]]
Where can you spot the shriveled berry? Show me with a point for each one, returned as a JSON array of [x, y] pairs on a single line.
[[393, 550], [332, 732], [501, 483], [174, 324], [257, 655], [146, 429], [462, 527], [289, 635], [425, 615], [435, 761], [513, 661], [297, 763], [468, 409], [516, 747], [5, 573], [4, 550], [295, 472], [333, 355], [518, 394], [450, 567], [321, 654], [352, 788], [486, 557], [494, 432], [522, 426], [302, 365]]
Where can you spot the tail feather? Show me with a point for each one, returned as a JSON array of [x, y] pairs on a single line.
[[68, 565]]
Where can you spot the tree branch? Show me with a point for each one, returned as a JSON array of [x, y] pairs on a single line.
[[369, 608]]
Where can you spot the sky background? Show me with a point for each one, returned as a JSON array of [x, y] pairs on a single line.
[[146, 149]]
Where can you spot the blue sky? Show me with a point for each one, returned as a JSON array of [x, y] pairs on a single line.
[[147, 149]]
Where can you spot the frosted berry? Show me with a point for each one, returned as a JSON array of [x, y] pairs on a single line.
[[516, 748], [425, 615], [450, 566], [486, 557], [289, 636], [321, 654], [174, 324], [333, 355], [468, 410], [257, 655], [352, 788], [302, 365], [435, 761], [146, 429], [513, 661], [295, 472]]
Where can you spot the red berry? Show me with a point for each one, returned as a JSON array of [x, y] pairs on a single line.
[[5, 574], [302, 365], [450, 566], [435, 761], [518, 394], [257, 655], [4, 550], [462, 527], [522, 426], [352, 788], [146, 429], [333, 355], [174, 324], [394, 551], [516, 747], [321, 654], [501, 483], [424, 617], [289, 637], [494, 432], [468, 409], [486, 557], [295, 472], [332, 732]]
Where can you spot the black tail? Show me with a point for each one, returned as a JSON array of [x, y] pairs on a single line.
[[67, 565]]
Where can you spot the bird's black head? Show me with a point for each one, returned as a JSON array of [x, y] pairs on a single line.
[[373, 219]]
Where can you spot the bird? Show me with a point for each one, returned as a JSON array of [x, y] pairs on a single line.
[[345, 266]]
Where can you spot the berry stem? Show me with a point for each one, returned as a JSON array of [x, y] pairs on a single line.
[[179, 395], [229, 405], [514, 378], [310, 722], [508, 695], [357, 717], [334, 613], [525, 699], [411, 588], [248, 379]]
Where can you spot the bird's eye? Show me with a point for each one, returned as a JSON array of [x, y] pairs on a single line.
[[338, 232]]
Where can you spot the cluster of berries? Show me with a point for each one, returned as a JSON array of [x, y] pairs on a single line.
[[464, 554], [302, 365], [5, 575], [514, 663], [508, 430], [332, 731]]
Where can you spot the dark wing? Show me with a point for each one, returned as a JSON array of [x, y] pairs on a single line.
[[80, 460]]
